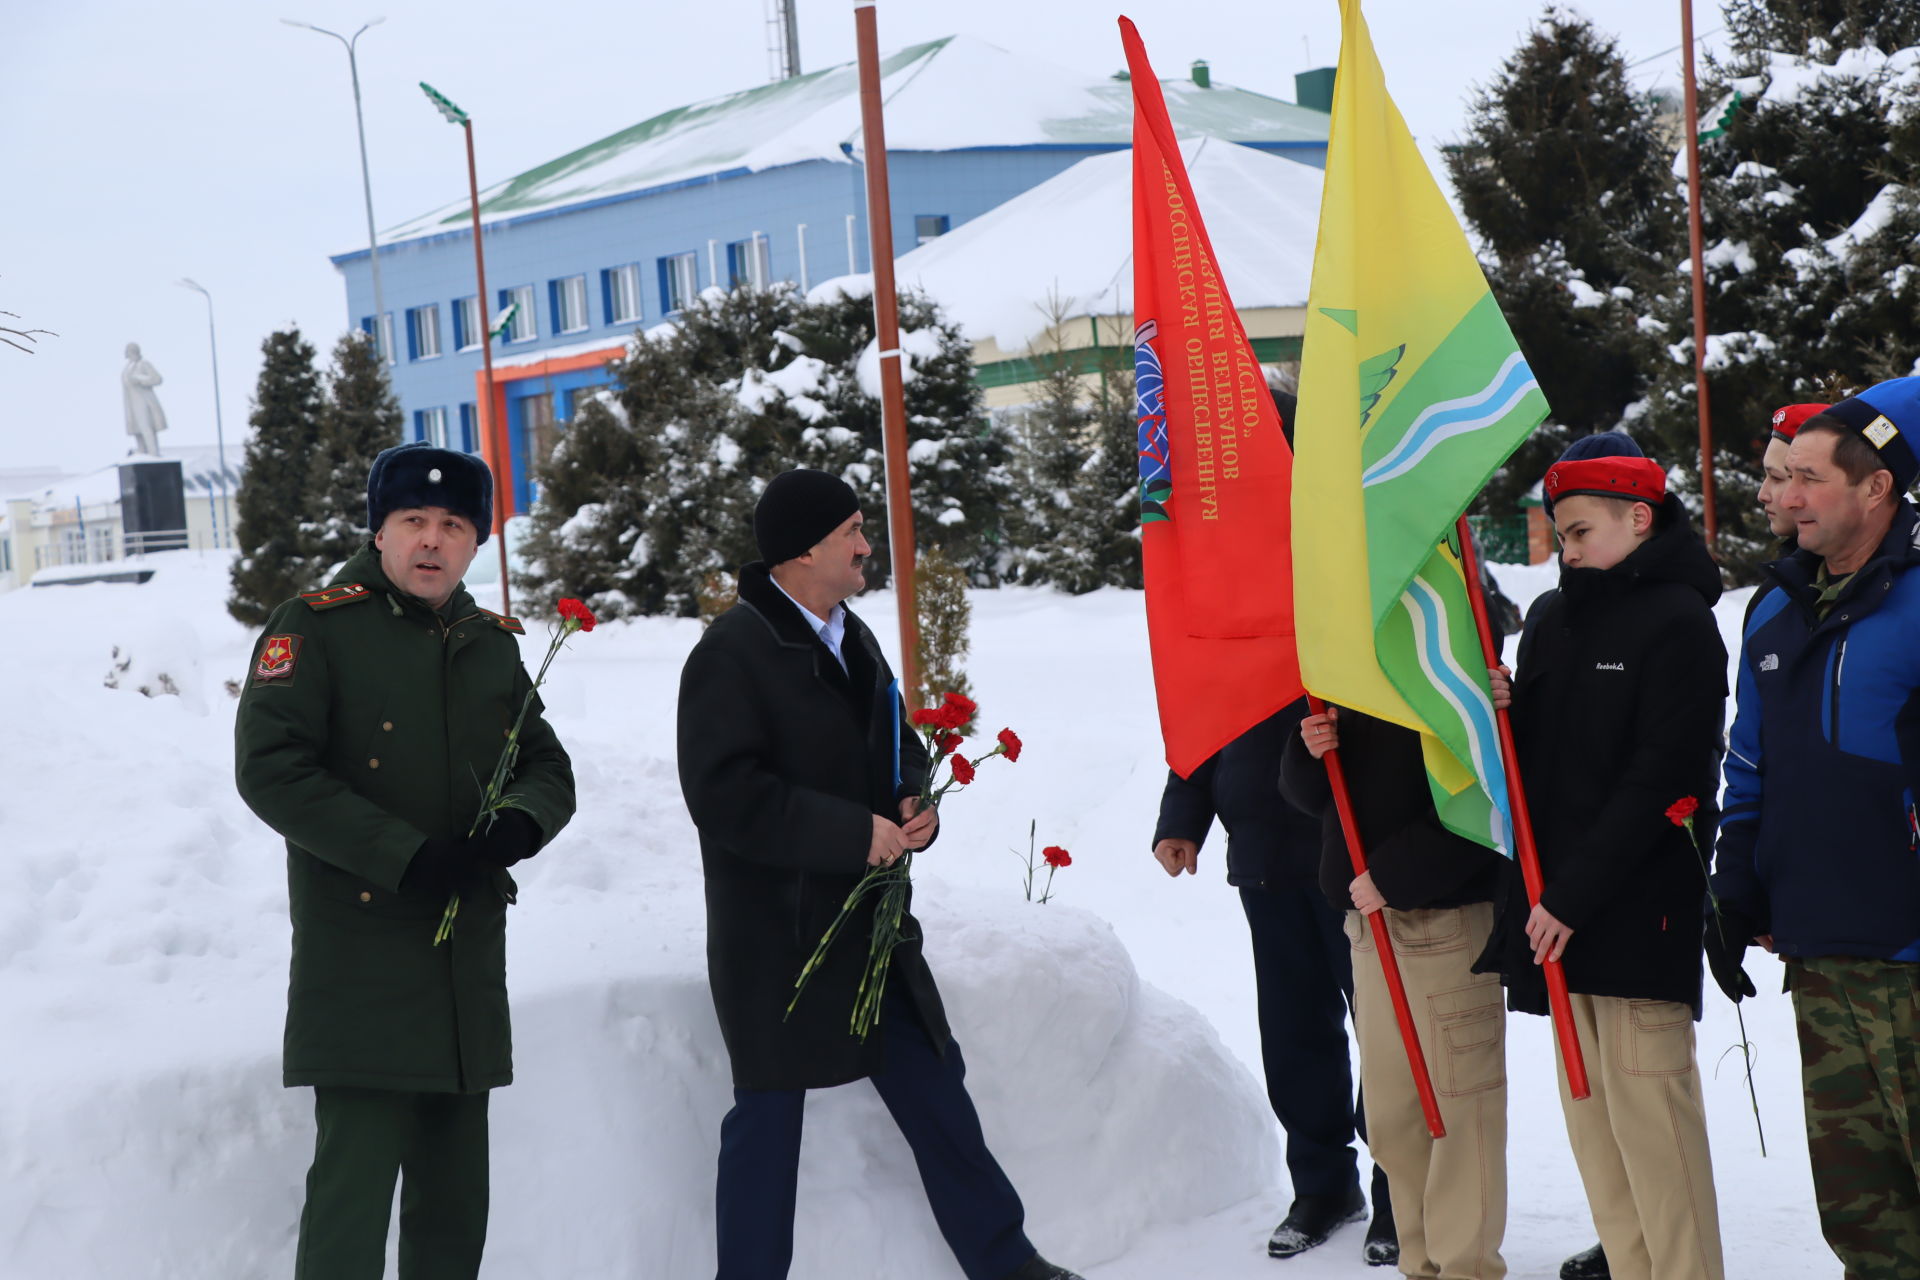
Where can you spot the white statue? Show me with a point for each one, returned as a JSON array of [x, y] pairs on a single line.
[[145, 418]]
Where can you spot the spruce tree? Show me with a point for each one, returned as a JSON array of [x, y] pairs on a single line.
[[276, 489], [360, 419], [1050, 450], [1811, 217], [1563, 176], [586, 538], [1102, 525]]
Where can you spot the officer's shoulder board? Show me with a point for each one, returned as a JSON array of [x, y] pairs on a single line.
[[504, 622], [335, 596]]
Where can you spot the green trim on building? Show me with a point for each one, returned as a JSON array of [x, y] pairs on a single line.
[[1084, 360]]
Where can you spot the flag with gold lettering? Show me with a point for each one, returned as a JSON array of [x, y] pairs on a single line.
[[1412, 391], [1215, 469]]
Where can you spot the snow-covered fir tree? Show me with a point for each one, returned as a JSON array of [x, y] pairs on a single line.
[[587, 538], [1051, 447], [275, 495], [957, 456], [1564, 177], [361, 417], [1811, 214]]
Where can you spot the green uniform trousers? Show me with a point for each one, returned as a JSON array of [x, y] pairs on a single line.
[[435, 1144], [1859, 1025]]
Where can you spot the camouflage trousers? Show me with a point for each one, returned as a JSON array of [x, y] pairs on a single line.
[[1859, 1025]]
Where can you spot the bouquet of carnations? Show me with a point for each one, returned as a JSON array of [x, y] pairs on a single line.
[[892, 882]]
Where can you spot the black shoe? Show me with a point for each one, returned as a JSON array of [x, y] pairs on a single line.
[[1382, 1248], [1038, 1268], [1312, 1219], [1591, 1264]]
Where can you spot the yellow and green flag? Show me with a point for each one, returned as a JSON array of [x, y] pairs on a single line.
[[1412, 392]]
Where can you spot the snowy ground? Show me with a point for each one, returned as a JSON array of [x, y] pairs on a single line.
[[142, 975]]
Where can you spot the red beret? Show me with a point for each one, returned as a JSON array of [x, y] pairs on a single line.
[[1787, 419], [1641, 479]]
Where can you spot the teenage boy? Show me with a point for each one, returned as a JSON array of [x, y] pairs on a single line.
[[1618, 704]]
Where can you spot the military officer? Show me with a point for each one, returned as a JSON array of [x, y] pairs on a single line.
[[371, 715]]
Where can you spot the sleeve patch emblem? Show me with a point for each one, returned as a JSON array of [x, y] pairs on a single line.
[[277, 656]]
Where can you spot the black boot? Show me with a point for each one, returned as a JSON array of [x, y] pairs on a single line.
[[1382, 1247], [1590, 1264], [1038, 1268], [1312, 1219]]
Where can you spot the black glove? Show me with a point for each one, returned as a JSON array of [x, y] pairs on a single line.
[[439, 866], [1726, 941], [512, 837]]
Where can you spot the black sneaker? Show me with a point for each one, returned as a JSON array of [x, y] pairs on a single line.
[[1590, 1264], [1312, 1219], [1038, 1268]]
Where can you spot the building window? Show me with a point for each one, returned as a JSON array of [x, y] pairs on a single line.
[[748, 263], [430, 425], [620, 293], [470, 427], [466, 323], [930, 226], [520, 326], [423, 332], [568, 300], [679, 281], [383, 337]]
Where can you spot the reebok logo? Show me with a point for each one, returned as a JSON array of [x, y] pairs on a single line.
[[1609, 666], [1770, 663]]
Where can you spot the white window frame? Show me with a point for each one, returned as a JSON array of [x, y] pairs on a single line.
[[469, 321], [571, 293], [754, 254], [523, 327], [624, 280], [422, 332], [383, 335], [683, 279], [433, 426]]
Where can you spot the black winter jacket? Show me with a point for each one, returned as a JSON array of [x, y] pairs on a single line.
[[1416, 862], [1269, 842], [784, 760], [1619, 703]]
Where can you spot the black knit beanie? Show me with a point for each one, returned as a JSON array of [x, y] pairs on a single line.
[[798, 509]]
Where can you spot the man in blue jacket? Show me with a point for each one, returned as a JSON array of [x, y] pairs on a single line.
[[1819, 847]]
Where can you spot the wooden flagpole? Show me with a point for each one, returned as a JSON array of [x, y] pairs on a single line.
[[1526, 852], [1382, 940], [886, 319], [1691, 106]]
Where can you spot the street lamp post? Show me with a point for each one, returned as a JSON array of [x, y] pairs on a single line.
[[219, 428], [366, 182], [492, 430]]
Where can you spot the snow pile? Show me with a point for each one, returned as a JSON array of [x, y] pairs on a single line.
[[143, 1131]]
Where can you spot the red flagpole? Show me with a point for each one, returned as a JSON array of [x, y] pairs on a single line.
[[1382, 941], [886, 318], [1691, 109], [1525, 851]]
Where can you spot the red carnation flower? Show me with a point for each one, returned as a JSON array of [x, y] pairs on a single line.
[[1010, 744], [962, 770], [1056, 856], [575, 616], [960, 707], [946, 742], [1681, 811], [929, 718]]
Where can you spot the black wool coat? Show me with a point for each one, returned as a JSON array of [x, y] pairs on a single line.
[[1416, 862], [784, 761], [1270, 843], [1619, 705]]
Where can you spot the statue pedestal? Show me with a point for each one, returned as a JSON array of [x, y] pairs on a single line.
[[153, 505]]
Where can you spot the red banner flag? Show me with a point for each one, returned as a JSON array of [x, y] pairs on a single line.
[[1216, 474]]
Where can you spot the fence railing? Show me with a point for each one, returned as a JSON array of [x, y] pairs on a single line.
[[105, 549]]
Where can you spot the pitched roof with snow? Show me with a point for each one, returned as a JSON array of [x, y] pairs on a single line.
[[957, 92], [1071, 237]]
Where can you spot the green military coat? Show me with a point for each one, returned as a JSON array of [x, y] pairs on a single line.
[[367, 724]]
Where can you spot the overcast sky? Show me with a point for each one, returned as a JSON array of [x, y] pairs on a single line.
[[140, 143]]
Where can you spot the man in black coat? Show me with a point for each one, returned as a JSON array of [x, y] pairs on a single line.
[[1618, 705], [1303, 978], [800, 771]]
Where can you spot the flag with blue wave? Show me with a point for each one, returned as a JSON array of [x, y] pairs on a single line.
[[1412, 392]]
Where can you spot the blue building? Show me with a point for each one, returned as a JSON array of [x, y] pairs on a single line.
[[753, 187]]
